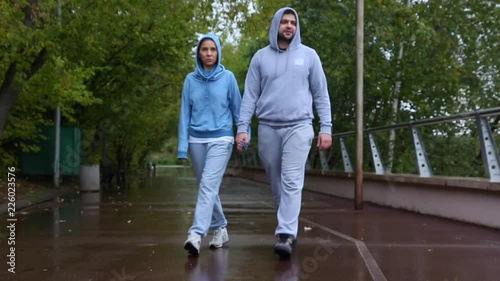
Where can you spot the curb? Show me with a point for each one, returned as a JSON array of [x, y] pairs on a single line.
[[34, 200]]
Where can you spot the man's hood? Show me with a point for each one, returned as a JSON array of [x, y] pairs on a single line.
[[275, 25]]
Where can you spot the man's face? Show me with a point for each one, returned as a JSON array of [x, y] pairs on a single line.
[[288, 26], [208, 54]]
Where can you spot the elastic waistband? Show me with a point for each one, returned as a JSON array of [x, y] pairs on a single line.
[[284, 123], [211, 134]]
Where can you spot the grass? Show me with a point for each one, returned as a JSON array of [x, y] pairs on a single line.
[[23, 189]]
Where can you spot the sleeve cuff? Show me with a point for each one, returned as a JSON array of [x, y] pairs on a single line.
[[325, 130], [182, 155], [242, 129]]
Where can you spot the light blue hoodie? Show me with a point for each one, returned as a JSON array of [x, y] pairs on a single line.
[[281, 85], [210, 102]]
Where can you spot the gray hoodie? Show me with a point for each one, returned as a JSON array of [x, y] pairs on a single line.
[[281, 86]]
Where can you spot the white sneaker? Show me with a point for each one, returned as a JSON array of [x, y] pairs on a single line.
[[192, 244], [219, 239]]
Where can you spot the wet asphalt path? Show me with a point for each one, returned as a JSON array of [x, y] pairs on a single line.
[[138, 234]]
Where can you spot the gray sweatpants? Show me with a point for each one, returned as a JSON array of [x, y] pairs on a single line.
[[209, 164], [283, 152]]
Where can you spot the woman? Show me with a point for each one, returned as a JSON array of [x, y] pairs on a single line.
[[210, 102]]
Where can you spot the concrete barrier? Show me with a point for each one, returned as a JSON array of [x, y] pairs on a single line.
[[471, 200], [90, 178]]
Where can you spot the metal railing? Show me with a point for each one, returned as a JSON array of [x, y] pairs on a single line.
[[447, 136]]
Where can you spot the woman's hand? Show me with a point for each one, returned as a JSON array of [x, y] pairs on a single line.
[[240, 139]]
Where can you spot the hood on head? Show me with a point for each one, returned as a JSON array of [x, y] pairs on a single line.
[[218, 67], [275, 25]]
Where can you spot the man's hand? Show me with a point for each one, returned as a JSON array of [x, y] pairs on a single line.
[[324, 141], [183, 161], [240, 138]]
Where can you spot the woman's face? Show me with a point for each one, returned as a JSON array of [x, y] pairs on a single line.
[[208, 54]]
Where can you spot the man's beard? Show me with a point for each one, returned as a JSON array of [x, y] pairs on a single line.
[[281, 36]]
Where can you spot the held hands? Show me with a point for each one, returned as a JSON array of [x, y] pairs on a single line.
[[241, 138], [324, 141]]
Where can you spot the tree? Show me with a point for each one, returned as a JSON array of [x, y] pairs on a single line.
[[446, 65], [19, 61], [103, 62]]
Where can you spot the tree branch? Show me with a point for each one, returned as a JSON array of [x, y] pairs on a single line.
[[37, 63], [8, 95], [10, 75]]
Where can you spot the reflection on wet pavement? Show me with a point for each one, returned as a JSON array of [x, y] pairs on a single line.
[[137, 233]]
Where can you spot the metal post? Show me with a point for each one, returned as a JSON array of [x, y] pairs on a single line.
[[57, 126], [324, 162], [491, 158], [358, 185], [424, 165], [377, 160], [254, 158], [345, 157]]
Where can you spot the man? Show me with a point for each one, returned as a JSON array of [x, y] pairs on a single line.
[[283, 81]]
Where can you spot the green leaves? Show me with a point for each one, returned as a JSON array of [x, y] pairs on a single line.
[[447, 65], [122, 62]]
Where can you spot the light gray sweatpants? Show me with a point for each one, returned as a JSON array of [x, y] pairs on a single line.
[[283, 152], [209, 164]]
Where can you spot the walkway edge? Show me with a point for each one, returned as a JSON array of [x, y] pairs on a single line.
[[34, 200], [370, 262]]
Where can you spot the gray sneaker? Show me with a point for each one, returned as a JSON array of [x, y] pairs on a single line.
[[192, 244], [283, 246], [219, 239]]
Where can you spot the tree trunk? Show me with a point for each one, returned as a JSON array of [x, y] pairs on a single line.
[[120, 166], [395, 104], [395, 108], [8, 95], [9, 91]]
